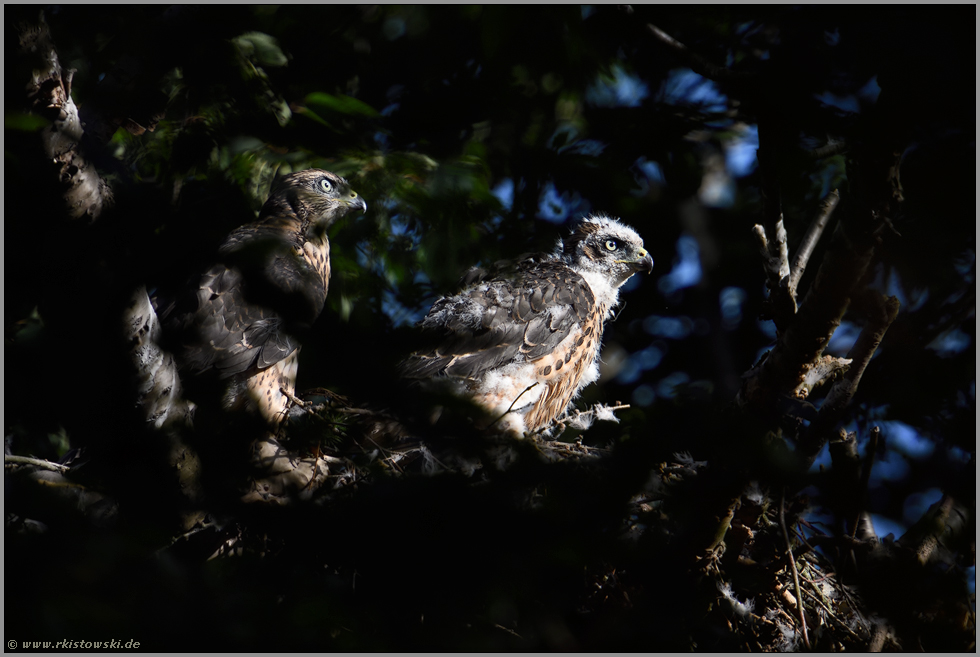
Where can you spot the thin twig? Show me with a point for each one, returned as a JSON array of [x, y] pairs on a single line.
[[38, 463], [833, 615], [511, 407], [813, 233], [507, 630], [573, 449], [294, 399], [387, 454], [792, 566], [186, 536]]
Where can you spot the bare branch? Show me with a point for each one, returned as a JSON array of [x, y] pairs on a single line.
[[820, 371], [802, 342], [781, 306], [49, 95], [760, 232], [294, 400], [37, 463], [775, 253], [843, 391], [783, 250], [813, 233]]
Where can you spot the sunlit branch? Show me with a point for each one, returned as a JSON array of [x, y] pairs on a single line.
[[813, 233], [49, 96], [775, 254], [37, 463]]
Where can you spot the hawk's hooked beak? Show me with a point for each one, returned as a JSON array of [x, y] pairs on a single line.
[[357, 203], [643, 262]]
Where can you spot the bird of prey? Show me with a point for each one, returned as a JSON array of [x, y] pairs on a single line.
[[236, 319], [522, 339]]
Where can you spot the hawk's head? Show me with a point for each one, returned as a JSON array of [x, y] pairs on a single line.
[[601, 246], [314, 196]]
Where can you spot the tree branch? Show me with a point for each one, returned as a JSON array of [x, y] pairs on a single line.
[[801, 344], [813, 233], [49, 95], [781, 305], [839, 397], [37, 463], [945, 518]]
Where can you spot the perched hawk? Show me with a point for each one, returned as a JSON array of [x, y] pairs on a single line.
[[235, 320], [523, 339]]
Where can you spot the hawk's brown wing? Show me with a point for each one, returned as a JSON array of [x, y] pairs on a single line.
[[225, 322], [219, 329], [519, 311]]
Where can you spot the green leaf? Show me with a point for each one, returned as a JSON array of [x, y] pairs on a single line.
[[25, 122], [262, 48], [341, 104], [307, 112]]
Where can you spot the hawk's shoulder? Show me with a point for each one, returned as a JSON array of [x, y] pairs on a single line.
[[520, 309], [217, 328]]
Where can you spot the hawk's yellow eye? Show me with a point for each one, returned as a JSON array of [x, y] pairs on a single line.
[[612, 245], [325, 185]]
